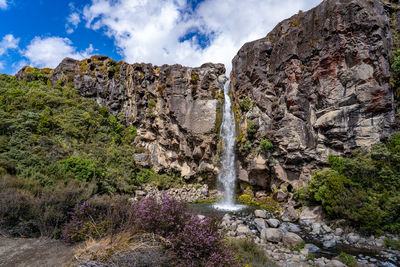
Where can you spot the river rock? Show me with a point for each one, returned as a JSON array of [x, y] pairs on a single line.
[[326, 228], [280, 195], [274, 223], [271, 235], [316, 228], [290, 214], [353, 238], [260, 214], [339, 231], [335, 263], [243, 230], [291, 239], [260, 224], [312, 247], [294, 228], [329, 243], [313, 214]]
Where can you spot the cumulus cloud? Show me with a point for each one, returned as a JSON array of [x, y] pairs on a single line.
[[3, 4], [73, 21], [8, 42], [1, 65], [170, 31], [48, 52]]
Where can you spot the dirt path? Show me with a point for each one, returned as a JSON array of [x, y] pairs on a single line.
[[24, 252]]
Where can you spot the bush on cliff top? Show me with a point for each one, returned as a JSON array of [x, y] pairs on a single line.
[[363, 188]]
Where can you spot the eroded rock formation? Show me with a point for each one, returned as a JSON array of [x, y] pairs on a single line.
[[317, 84], [175, 109]]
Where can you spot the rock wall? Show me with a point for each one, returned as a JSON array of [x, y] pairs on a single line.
[[175, 109], [317, 84]]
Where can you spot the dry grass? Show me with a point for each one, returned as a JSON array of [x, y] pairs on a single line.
[[103, 249]]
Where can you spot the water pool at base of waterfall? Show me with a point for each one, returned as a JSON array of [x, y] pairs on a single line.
[[228, 207]]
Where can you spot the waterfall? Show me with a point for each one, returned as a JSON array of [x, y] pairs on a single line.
[[227, 174]]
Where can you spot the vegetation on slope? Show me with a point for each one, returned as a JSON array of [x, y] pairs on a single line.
[[58, 149], [363, 188], [67, 170]]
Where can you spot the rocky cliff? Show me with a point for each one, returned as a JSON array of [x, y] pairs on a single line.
[[317, 84], [175, 109]]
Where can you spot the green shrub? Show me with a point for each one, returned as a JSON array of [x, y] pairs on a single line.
[[396, 62], [249, 254], [362, 188], [195, 77], [251, 129], [299, 246], [392, 243], [42, 127], [310, 257], [81, 168], [152, 103], [266, 145], [28, 209], [347, 259], [245, 104]]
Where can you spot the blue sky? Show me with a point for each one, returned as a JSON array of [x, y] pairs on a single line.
[[189, 32]]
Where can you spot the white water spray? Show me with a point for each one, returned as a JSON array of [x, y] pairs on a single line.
[[227, 174]]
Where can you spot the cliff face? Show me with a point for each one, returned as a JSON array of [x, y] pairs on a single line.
[[318, 84], [175, 109]]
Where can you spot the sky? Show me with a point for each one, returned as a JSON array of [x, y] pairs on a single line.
[[41, 33]]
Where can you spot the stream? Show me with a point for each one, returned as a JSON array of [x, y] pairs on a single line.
[[246, 214]]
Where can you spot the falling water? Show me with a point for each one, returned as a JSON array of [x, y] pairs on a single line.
[[227, 175]]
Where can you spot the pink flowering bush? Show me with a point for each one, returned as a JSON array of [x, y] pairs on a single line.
[[195, 241]]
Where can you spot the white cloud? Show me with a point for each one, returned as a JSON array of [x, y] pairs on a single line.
[[150, 31], [3, 4], [16, 66], [8, 42], [49, 52], [73, 21], [1, 65]]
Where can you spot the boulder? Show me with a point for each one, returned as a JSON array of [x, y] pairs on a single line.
[[260, 223], [260, 214], [312, 247], [290, 214], [294, 228], [353, 238], [274, 223], [271, 235], [329, 243], [243, 230], [335, 263], [339, 231], [313, 214], [280, 195], [291, 239], [316, 228]]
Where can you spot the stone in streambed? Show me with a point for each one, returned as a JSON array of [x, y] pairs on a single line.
[[274, 223], [260, 224], [291, 239], [271, 235], [260, 214]]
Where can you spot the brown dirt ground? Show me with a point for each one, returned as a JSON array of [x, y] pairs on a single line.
[[32, 252]]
